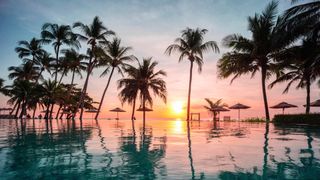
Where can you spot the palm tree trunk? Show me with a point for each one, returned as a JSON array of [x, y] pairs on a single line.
[[84, 90], [72, 79], [14, 108], [144, 111], [51, 111], [104, 93], [189, 92], [57, 61], [308, 96], [132, 116], [64, 71], [264, 92], [57, 115], [34, 112], [42, 69], [17, 111]]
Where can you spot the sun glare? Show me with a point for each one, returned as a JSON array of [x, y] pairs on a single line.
[[177, 107]]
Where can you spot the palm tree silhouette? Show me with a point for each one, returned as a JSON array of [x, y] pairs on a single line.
[[26, 71], [191, 45], [31, 49], [58, 35], [114, 56], [298, 64], [213, 105], [252, 55], [93, 34], [143, 79]]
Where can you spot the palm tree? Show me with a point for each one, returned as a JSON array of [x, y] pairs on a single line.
[[191, 45], [92, 34], [26, 71], [129, 90], [45, 64], [212, 105], [114, 57], [252, 55], [148, 79], [297, 64], [20, 92], [31, 49], [51, 92], [58, 35], [74, 63]]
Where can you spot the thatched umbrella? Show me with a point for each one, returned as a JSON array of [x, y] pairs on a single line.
[[93, 111], [315, 103], [117, 110], [218, 109], [239, 107], [283, 106]]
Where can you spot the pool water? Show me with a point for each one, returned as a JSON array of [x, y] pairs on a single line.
[[109, 149]]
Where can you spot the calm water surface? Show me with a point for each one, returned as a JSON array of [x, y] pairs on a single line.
[[62, 149]]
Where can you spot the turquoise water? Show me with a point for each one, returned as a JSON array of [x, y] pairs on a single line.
[[61, 149]]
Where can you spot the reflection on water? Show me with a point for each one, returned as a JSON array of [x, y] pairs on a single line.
[[63, 149]]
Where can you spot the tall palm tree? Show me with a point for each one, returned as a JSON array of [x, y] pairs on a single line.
[[298, 64], [92, 34], [252, 55], [129, 90], [26, 71], [191, 46], [115, 58], [29, 49], [212, 105], [58, 35], [149, 79]]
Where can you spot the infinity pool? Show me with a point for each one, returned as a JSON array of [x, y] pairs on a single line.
[[61, 149]]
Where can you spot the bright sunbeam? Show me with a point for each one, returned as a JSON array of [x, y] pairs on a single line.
[[177, 107]]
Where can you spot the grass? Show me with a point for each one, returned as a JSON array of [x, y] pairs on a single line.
[[254, 119], [297, 118]]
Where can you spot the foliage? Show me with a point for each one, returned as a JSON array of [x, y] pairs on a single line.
[[297, 118]]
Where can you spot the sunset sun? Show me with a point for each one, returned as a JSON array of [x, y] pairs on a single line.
[[177, 107]]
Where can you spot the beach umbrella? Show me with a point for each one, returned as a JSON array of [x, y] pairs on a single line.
[[283, 106], [92, 110], [117, 110], [219, 109], [315, 103], [239, 107]]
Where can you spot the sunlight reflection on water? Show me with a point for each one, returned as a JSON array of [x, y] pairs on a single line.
[[102, 149]]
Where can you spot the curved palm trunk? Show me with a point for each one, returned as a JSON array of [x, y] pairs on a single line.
[[104, 93], [14, 108], [84, 90], [64, 71], [17, 111], [189, 92], [51, 110], [264, 92], [308, 96]]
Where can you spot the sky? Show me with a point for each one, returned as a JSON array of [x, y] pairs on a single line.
[[149, 26]]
